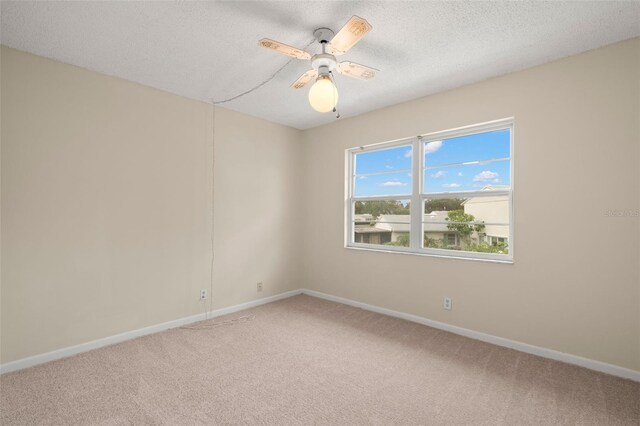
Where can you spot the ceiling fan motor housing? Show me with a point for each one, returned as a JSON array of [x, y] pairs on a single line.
[[324, 63], [323, 35]]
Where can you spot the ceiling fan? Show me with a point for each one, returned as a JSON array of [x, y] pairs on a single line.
[[323, 95]]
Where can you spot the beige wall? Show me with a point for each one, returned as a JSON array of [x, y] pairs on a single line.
[[106, 206], [577, 137]]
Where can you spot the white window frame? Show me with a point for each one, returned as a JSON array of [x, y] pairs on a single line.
[[418, 197]]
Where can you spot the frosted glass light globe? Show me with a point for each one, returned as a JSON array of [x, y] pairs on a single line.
[[323, 95]]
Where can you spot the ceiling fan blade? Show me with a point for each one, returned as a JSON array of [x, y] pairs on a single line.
[[285, 49], [356, 70], [349, 35], [304, 79]]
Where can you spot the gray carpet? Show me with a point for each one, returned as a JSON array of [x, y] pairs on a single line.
[[308, 361]]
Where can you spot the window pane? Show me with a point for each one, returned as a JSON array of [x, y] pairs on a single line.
[[476, 224], [382, 222], [474, 177], [383, 184], [476, 147], [384, 160], [472, 172]]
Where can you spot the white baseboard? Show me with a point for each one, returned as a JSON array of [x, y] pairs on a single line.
[[111, 340], [500, 341], [591, 364]]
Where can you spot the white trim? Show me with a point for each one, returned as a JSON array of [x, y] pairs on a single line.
[[603, 367], [416, 208], [396, 143], [462, 254], [464, 194], [398, 197], [118, 338], [591, 364], [512, 225], [348, 207], [489, 126], [385, 172], [467, 163], [472, 222], [429, 253], [381, 248]]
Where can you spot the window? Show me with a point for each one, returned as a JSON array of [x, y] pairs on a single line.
[[494, 241], [448, 194], [451, 239]]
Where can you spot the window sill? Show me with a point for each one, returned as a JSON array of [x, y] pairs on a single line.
[[441, 256]]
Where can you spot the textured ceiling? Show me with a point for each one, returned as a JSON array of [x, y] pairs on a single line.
[[205, 50]]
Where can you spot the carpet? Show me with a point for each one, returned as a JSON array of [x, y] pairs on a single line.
[[305, 360]]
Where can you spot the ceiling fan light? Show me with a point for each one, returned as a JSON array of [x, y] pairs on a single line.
[[323, 95]]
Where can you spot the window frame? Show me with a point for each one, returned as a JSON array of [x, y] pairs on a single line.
[[417, 197]]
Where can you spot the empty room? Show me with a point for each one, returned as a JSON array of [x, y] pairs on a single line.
[[320, 213]]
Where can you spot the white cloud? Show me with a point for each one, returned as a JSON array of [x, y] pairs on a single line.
[[439, 174], [393, 183], [407, 154], [432, 147], [388, 167], [362, 177], [452, 185], [496, 180], [459, 173], [485, 176]]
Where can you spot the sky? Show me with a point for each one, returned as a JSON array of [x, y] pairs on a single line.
[[454, 177]]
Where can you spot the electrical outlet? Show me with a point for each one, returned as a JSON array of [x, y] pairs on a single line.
[[203, 294], [448, 303], [259, 287]]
